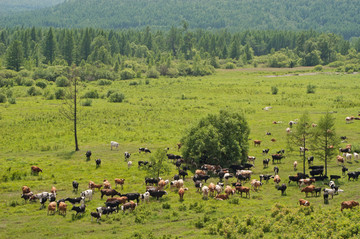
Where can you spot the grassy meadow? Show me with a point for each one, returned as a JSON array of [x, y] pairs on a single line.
[[157, 113]]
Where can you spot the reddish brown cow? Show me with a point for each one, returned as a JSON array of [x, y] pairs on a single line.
[[62, 208], [25, 189], [308, 189], [242, 189], [200, 172], [181, 193], [228, 190], [119, 181], [106, 184], [53, 189], [93, 186], [52, 207], [257, 142], [277, 179], [273, 140], [303, 202], [109, 192], [222, 197], [129, 205], [349, 204], [122, 200], [35, 170]]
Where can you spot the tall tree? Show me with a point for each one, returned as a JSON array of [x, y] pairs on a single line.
[[85, 47], [68, 50], [158, 164], [324, 143], [70, 105], [301, 136], [50, 47], [14, 56]]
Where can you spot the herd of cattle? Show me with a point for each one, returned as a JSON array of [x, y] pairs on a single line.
[[222, 190]]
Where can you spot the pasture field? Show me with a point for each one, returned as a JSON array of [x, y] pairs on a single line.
[[156, 114]]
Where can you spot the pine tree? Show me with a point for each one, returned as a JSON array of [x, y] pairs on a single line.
[[14, 56], [68, 51], [50, 47], [85, 49]]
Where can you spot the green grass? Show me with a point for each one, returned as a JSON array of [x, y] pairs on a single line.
[[157, 115]]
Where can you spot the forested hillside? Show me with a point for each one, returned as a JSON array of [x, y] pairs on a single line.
[[8, 7], [321, 15]]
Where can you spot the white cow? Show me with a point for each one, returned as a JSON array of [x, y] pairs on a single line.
[[356, 156], [218, 189], [145, 197], [205, 191], [87, 194], [129, 164], [114, 144], [348, 157]]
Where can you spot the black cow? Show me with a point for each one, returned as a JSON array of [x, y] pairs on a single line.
[[317, 190], [113, 204], [96, 215], [98, 162], [132, 196], [344, 169], [170, 156], [183, 173], [343, 137], [316, 172], [157, 194], [235, 167], [78, 210], [185, 168], [75, 200], [141, 163], [282, 188], [141, 150], [302, 176], [176, 177], [353, 175], [276, 170], [277, 157], [75, 186], [151, 181], [281, 151], [178, 163], [346, 150], [88, 154], [326, 197], [241, 177], [265, 177], [266, 151], [199, 177], [248, 166], [266, 162], [316, 167], [335, 177], [293, 179], [146, 150], [310, 160], [320, 178]]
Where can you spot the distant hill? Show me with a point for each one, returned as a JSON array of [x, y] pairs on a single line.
[[338, 16], [9, 7]]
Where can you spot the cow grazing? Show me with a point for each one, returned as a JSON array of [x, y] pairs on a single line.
[[282, 188], [114, 144], [145, 197], [35, 170], [306, 181], [348, 157], [27, 196], [273, 140], [98, 162], [198, 186], [251, 159], [119, 181], [96, 215], [326, 197], [199, 177], [129, 164], [25, 189], [87, 194], [288, 130], [218, 189], [75, 186], [152, 181], [303, 202], [346, 150], [277, 158], [344, 169], [205, 191], [265, 151], [243, 175], [109, 192], [106, 184], [212, 189], [356, 156], [127, 156], [310, 160], [308, 189], [51, 208], [183, 173], [122, 200], [181, 193], [257, 142], [303, 150], [62, 208], [295, 165], [266, 163], [349, 204], [132, 196], [142, 163], [146, 150], [343, 137], [78, 210], [353, 175], [277, 179], [276, 170], [330, 191], [242, 189], [255, 184], [268, 133], [294, 179], [162, 184], [340, 159], [317, 191], [88, 155], [76, 200], [334, 177], [265, 177], [129, 205], [228, 190]]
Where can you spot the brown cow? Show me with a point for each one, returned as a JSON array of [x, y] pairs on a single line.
[[306, 181], [273, 140], [51, 207], [212, 189], [119, 181], [62, 208], [256, 184], [257, 142], [25, 189], [228, 190], [242, 189], [222, 197], [182, 192], [200, 172], [109, 192], [349, 204], [340, 159], [93, 186], [122, 200], [53, 190], [35, 170], [106, 184], [308, 189], [277, 179], [162, 184], [129, 205], [303, 202]]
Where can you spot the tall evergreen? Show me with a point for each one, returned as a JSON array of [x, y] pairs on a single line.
[[50, 47], [85, 47], [14, 56], [69, 47]]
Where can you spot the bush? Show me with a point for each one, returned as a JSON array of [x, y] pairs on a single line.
[[59, 94], [274, 90], [152, 73], [41, 83], [6, 82], [28, 82], [2, 98], [62, 81], [310, 89], [133, 83], [12, 101], [109, 93], [104, 82], [34, 91], [19, 80], [166, 206], [93, 94], [127, 74], [318, 68], [86, 102], [116, 97], [230, 65]]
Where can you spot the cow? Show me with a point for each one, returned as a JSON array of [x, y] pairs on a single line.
[[200, 172], [129, 205], [308, 189], [348, 157], [87, 194], [75, 186], [114, 144], [255, 184], [344, 169], [317, 172], [242, 189], [122, 199], [76, 200], [119, 181], [183, 173], [146, 150], [277, 179], [334, 177], [288, 130], [152, 181], [157, 194], [96, 215], [310, 160], [25, 189], [340, 159], [222, 197], [307, 181], [276, 170], [127, 156], [349, 204], [266, 162], [245, 174], [257, 142], [199, 177], [106, 184], [27, 196], [198, 185], [326, 197], [273, 140], [78, 210], [265, 177], [316, 191], [356, 156], [179, 146], [282, 188], [218, 189], [129, 164], [282, 151], [181, 193], [205, 191], [145, 197], [162, 183], [303, 150], [346, 150], [294, 179], [277, 157], [62, 208], [228, 190], [35, 170], [51, 207], [109, 192], [142, 163], [303, 202], [251, 159], [88, 155], [212, 189], [235, 167], [98, 162], [265, 151], [353, 175], [132, 196]]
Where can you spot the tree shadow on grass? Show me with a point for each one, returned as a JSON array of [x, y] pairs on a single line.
[[66, 155]]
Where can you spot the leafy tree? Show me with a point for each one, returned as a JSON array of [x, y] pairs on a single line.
[[50, 47], [158, 164], [14, 56], [325, 141], [218, 139], [301, 136]]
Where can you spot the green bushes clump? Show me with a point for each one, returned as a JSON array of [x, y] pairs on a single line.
[[104, 82], [152, 73], [62, 81], [41, 83], [34, 91], [93, 94], [2, 98], [127, 74], [116, 97], [59, 94]]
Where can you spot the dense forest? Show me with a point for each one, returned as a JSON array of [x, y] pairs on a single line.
[[334, 16], [8, 7]]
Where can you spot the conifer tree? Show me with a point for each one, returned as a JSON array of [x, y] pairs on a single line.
[[50, 47], [14, 56]]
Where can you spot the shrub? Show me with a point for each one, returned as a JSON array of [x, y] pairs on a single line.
[[166, 206], [230, 65], [41, 83], [62, 81], [133, 83], [28, 82], [12, 101], [34, 91], [274, 90], [147, 82], [59, 94], [173, 72], [152, 73], [19, 80], [116, 97], [86, 102], [93, 94], [2, 98], [318, 68], [104, 82], [127, 74], [6, 82], [109, 93], [310, 89]]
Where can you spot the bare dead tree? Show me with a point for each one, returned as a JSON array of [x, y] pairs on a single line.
[[70, 106]]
